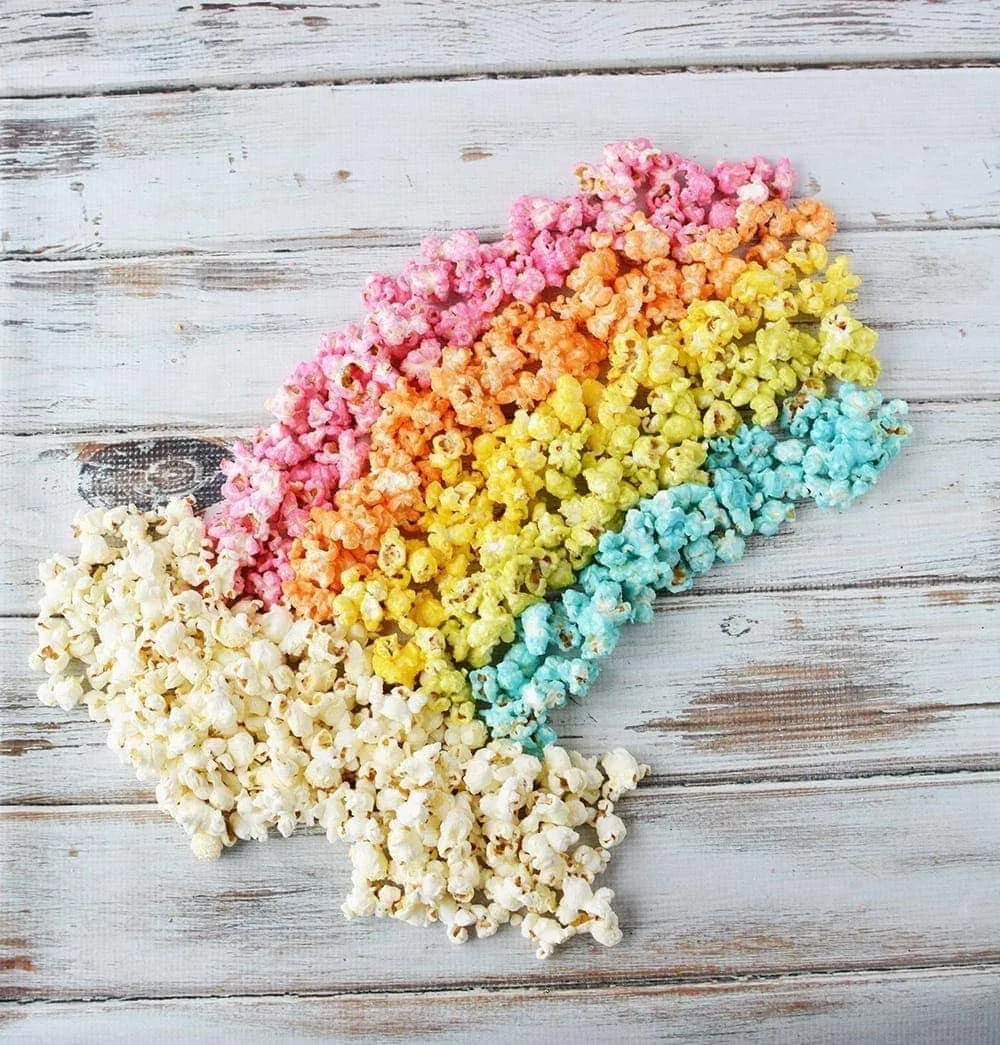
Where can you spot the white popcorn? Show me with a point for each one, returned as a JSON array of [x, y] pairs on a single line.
[[610, 830], [206, 846], [64, 691], [249, 721], [368, 861], [94, 550], [623, 773], [546, 932], [169, 637]]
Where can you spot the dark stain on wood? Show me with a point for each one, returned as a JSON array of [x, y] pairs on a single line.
[[131, 815], [73, 852], [151, 472], [315, 22], [971, 705], [983, 957], [33, 148], [736, 625], [343, 175], [749, 942], [85, 281], [772, 707], [253, 895], [769, 1008], [16, 748], [471, 153], [55, 38], [947, 596], [69, 34], [141, 281], [204, 914], [253, 3], [222, 275], [45, 727], [19, 963], [227, 8], [14, 941]]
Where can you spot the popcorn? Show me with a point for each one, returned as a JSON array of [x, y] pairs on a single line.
[[469, 494], [836, 449], [249, 720], [443, 301], [521, 508]]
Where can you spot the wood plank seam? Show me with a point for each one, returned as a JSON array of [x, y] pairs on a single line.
[[362, 240], [543, 987], [665, 781], [985, 61], [875, 584], [653, 788], [167, 428]]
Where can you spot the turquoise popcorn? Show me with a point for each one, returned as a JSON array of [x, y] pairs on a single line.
[[835, 450]]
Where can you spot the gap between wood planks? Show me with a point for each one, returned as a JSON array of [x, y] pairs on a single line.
[[542, 988], [984, 62], [874, 584], [145, 431], [791, 780], [363, 238]]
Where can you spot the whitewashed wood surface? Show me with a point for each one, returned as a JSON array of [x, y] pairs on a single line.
[[190, 194], [114, 45]]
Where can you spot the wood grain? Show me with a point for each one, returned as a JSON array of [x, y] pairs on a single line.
[[815, 859], [933, 1005], [92, 47], [156, 341], [933, 515], [834, 876], [721, 687], [300, 167]]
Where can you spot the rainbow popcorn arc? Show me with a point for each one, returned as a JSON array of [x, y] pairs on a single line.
[[461, 501]]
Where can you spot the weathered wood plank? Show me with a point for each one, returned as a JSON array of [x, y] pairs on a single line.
[[155, 341], [932, 515], [713, 881], [93, 47], [720, 688], [957, 1005], [300, 167]]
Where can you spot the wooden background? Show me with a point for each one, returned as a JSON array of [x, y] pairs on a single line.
[[192, 192]]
